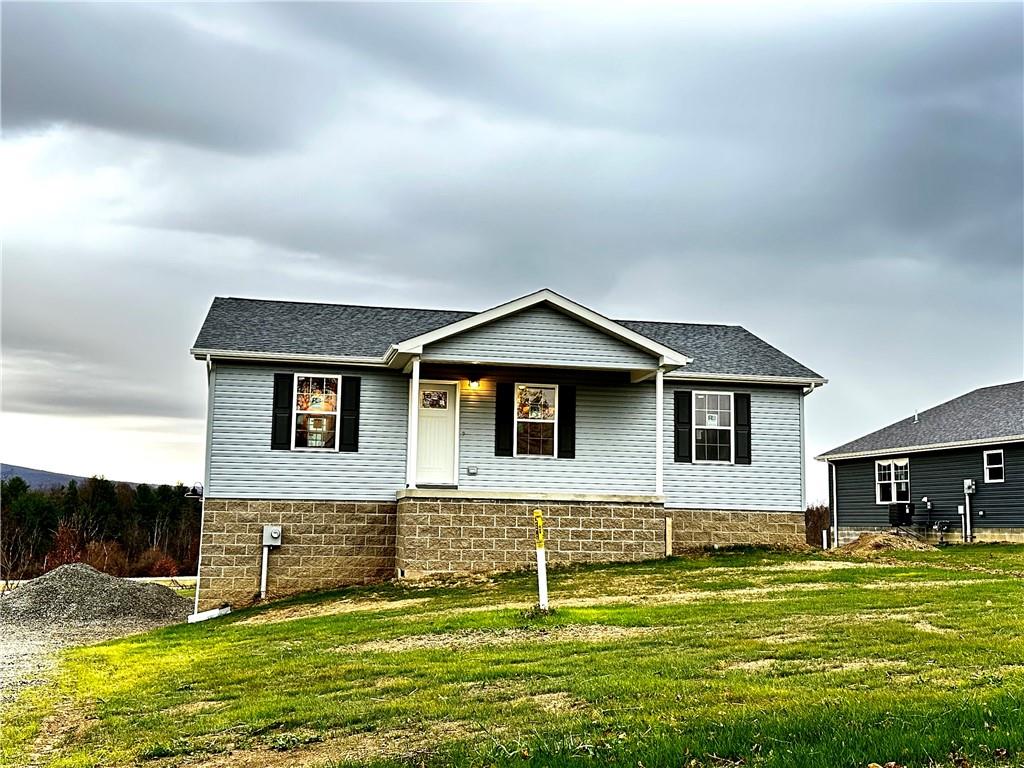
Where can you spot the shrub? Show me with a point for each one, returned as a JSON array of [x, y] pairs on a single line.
[[106, 556], [66, 547], [155, 562]]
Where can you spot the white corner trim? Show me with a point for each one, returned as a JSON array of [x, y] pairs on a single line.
[[920, 448], [666, 355]]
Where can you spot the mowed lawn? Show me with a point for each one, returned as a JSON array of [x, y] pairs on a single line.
[[752, 658]]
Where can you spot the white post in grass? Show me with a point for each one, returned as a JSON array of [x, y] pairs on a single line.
[[542, 566]]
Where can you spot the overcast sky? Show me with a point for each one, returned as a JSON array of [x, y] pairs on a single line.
[[844, 181]]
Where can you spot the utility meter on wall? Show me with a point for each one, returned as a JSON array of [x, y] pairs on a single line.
[[968, 486], [271, 535]]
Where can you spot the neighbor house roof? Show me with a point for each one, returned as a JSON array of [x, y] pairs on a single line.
[[346, 333], [984, 416]]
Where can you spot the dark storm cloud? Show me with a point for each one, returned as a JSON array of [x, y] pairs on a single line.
[[143, 70], [845, 180]]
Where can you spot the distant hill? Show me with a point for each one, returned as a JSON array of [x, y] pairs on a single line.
[[39, 479]]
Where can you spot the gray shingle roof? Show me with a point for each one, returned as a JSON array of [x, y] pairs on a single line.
[[342, 330], [988, 413]]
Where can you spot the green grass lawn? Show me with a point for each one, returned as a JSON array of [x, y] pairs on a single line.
[[749, 658]]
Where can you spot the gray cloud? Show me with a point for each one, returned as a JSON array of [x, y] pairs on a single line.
[[845, 181]]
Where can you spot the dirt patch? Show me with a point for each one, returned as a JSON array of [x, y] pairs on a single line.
[[68, 722], [515, 692], [475, 638], [912, 616], [786, 638], [792, 666], [360, 747], [316, 610], [870, 543]]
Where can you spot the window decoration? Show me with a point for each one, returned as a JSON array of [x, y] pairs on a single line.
[[434, 398], [995, 470], [536, 419], [892, 481], [713, 425], [316, 412]]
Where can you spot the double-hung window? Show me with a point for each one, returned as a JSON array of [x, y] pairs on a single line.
[[536, 418], [315, 412], [713, 424], [892, 481], [995, 469]]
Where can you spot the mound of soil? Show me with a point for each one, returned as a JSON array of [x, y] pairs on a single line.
[[869, 543], [80, 594]]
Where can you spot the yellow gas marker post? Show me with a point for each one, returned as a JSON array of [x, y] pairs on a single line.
[[542, 566]]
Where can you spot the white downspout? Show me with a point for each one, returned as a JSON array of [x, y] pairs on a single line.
[[211, 385], [414, 424], [659, 432], [835, 505]]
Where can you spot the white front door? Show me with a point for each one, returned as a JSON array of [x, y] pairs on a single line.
[[435, 460]]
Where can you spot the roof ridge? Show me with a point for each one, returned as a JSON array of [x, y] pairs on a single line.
[[457, 311]]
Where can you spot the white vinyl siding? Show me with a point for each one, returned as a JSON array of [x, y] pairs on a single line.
[[614, 445], [243, 466], [771, 482], [539, 336]]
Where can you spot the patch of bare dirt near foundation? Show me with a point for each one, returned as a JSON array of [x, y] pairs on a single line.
[[333, 608], [869, 543], [472, 638]]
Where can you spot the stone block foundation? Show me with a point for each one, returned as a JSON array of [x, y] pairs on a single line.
[[325, 545], [707, 527], [445, 535], [329, 544]]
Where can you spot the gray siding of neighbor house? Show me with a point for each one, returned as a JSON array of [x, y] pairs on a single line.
[[539, 336], [614, 443], [773, 481], [939, 475], [242, 465]]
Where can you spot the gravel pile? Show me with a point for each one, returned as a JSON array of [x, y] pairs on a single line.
[[74, 605], [80, 594]]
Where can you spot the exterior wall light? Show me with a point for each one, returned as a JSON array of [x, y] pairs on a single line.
[[474, 383]]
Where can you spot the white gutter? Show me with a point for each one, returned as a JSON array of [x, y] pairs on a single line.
[[921, 448], [277, 357], [746, 378]]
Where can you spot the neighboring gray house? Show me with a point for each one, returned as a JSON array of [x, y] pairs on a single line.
[[408, 441], [956, 469]]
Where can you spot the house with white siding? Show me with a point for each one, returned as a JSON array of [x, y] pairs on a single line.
[[385, 442]]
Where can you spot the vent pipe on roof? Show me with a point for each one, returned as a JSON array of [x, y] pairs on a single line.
[[915, 417]]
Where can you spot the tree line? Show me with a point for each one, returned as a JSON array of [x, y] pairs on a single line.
[[118, 528]]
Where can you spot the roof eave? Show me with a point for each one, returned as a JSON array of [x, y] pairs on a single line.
[[201, 353], [921, 448], [805, 381]]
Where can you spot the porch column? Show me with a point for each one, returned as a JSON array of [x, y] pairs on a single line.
[[414, 424], [659, 432]]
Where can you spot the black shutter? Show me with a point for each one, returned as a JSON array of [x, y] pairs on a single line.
[[281, 426], [741, 409], [348, 432], [504, 424], [682, 413], [567, 421]]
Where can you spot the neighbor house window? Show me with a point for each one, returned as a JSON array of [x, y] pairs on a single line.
[[712, 427], [892, 481], [995, 472], [536, 419], [316, 412]]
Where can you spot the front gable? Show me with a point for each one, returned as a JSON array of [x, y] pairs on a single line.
[[542, 336]]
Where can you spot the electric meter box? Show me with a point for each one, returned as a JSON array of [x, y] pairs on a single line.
[[272, 535], [968, 486]]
